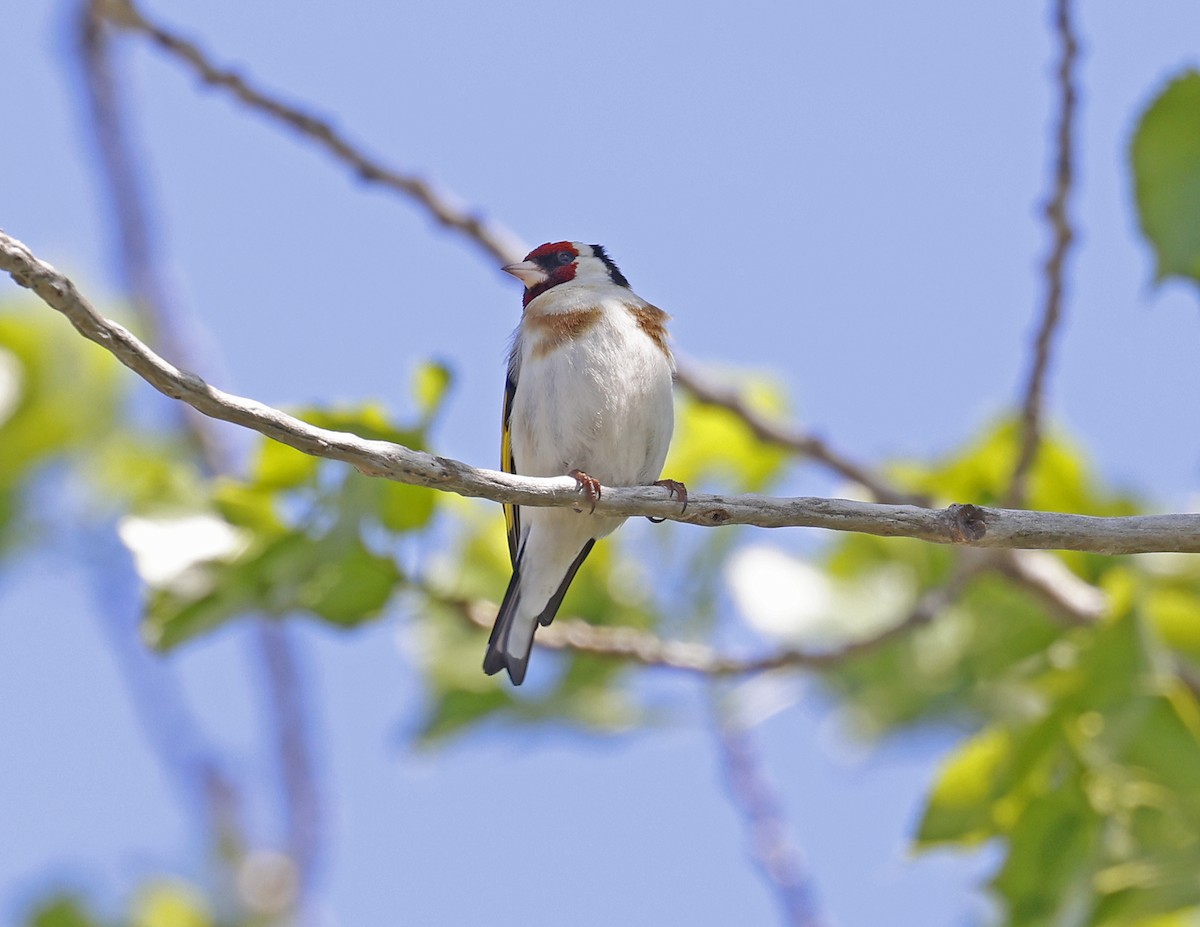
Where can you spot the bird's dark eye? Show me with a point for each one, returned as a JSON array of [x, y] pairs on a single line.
[[565, 257]]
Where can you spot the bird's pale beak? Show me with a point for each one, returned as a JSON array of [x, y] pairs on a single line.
[[528, 272]]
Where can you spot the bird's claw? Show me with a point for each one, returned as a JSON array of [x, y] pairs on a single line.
[[588, 486], [677, 491]]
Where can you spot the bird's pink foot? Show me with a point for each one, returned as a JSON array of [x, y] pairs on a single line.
[[677, 490], [588, 486]]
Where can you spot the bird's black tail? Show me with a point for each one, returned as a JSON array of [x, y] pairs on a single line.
[[511, 652], [499, 653]]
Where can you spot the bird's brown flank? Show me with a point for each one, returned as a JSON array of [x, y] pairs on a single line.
[[653, 321]]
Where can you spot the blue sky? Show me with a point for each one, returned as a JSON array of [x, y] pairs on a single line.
[[842, 195]]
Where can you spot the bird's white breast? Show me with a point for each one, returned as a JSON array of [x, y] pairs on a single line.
[[599, 401]]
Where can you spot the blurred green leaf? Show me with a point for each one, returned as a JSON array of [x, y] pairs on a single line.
[[976, 657], [1185, 918], [1098, 797], [57, 396], [1166, 170], [248, 505], [397, 506], [59, 390], [169, 903], [973, 659], [140, 472], [306, 520], [350, 588], [586, 691], [370, 421], [222, 591], [1164, 744], [406, 508], [277, 466], [334, 577], [1174, 613], [959, 809], [1060, 481], [161, 901], [712, 444], [1045, 879], [456, 709], [62, 911], [431, 384]]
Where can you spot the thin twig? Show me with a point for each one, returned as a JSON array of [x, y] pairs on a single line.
[[137, 257], [1067, 597], [154, 691], [294, 747], [171, 729], [505, 246], [647, 649], [754, 797], [964, 525], [497, 241], [491, 237], [139, 261], [1063, 235]]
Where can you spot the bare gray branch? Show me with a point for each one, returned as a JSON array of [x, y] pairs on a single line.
[[968, 525]]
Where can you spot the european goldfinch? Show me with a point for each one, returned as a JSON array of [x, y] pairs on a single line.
[[589, 395]]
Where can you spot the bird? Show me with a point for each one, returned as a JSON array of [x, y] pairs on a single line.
[[588, 394]]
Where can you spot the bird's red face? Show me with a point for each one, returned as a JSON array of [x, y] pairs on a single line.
[[544, 267], [556, 262]]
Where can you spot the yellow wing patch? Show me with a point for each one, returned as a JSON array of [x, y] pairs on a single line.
[[512, 513]]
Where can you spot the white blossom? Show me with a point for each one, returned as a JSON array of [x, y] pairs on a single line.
[[168, 551]]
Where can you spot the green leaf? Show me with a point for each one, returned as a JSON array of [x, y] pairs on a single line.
[[713, 444], [456, 709], [1164, 746], [1061, 480], [585, 691], [248, 506], [1098, 795], [369, 421], [57, 397], [62, 911], [1045, 879], [144, 473], [59, 391], [1187, 918], [1154, 884], [277, 466], [399, 507], [960, 805], [1166, 169], [169, 903], [334, 577], [431, 383], [351, 589], [405, 508], [975, 657], [1173, 611], [216, 593], [305, 526]]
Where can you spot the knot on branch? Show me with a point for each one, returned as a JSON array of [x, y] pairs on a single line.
[[968, 523]]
